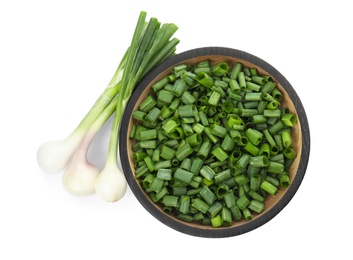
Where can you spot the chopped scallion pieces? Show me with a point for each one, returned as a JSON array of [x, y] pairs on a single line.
[[220, 145]]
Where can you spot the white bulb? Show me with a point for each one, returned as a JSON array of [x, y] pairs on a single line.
[[111, 183], [54, 156], [79, 178]]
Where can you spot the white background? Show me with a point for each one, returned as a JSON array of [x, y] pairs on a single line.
[[56, 57]]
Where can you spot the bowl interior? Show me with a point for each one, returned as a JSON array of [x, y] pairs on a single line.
[[271, 201]]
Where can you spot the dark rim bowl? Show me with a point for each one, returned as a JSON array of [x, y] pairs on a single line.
[[301, 141]]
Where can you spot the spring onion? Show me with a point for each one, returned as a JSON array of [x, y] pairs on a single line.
[[81, 177]]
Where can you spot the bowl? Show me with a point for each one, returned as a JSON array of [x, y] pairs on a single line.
[[300, 136]]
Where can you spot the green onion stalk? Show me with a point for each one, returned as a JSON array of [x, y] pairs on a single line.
[[150, 45]]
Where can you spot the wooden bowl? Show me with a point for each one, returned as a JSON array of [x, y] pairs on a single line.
[[300, 134]]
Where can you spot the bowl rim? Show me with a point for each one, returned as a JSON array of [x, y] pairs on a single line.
[[230, 231]]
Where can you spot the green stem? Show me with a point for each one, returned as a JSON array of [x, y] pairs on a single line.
[[94, 128], [133, 48], [114, 139], [165, 52], [101, 103], [147, 41], [103, 100]]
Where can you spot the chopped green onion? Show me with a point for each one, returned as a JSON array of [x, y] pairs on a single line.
[[268, 187], [186, 111], [200, 205], [214, 98], [275, 167], [183, 152], [207, 195], [216, 221], [183, 175], [243, 202], [289, 153], [184, 204], [259, 161], [204, 79], [289, 119], [171, 201], [207, 172], [226, 217], [256, 206], [220, 69], [284, 181], [164, 174], [222, 143], [220, 153], [214, 209], [148, 134]]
